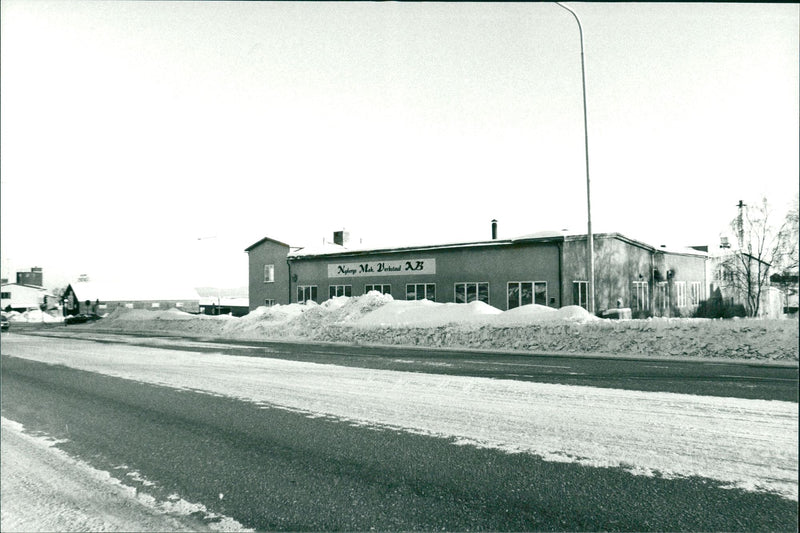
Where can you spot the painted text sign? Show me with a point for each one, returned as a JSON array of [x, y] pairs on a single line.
[[403, 267]]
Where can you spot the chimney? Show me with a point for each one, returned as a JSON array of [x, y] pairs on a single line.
[[341, 237], [34, 277], [494, 228]]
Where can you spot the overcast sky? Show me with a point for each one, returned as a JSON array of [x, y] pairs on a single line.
[[132, 129]]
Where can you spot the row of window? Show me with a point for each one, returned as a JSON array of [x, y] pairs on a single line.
[[641, 296], [519, 293]]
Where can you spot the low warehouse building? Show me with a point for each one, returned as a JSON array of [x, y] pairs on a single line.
[[215, 305], [547, 268], [102, 298]]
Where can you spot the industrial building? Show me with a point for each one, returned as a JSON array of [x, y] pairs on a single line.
[[546, 268]]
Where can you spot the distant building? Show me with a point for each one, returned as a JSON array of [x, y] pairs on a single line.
[[102, 298], [726, 275], [34, 278], [27, 293], [546, 268], [21, 298], [210, 305]]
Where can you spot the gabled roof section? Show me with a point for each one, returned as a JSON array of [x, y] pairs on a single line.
[[262, 241], [677, 250]]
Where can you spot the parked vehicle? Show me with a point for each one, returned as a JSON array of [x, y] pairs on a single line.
[[4, 323], [81, 318]]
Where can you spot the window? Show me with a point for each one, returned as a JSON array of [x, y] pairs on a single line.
[[269, 273], [724, 272], [128, 306], [340, 290], [680, 293], [695, 293], [662, 295], [383, 289], [540, 293], [580, 290], [421, 291], [269, 302], [472, 292], [155, 304], [526, 293], [641, 296], [306, 293], [5, 295]]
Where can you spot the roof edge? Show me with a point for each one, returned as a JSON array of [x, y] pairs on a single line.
[[263, 241], [423, 248]]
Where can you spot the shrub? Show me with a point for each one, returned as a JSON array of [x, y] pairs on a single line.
[[716, 307]]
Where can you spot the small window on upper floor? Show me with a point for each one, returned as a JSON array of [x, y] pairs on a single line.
[[269, 273]]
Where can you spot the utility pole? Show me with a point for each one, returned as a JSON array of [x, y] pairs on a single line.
[[741, 205]]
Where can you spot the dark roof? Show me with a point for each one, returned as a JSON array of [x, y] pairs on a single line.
[[265, 239], [786, 277], [541, 237]]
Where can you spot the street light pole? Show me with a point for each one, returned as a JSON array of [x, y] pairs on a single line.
[[589, 236], [219, 291]]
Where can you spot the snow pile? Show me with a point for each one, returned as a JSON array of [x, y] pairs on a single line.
[[33, 315], [264, 321], [426, 314], [343, 309], [541, 313], [379, 319], [171, 320], [134, 315]]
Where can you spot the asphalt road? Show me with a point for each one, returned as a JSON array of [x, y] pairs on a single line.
[[281, 470], [709, 378]]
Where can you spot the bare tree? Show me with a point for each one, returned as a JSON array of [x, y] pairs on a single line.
[[787, 257], [763, 249], [785, 267]]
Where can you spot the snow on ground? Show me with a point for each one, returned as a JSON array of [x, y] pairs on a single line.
[[44, 489], [750, 444], [378, 319], [34, 315]]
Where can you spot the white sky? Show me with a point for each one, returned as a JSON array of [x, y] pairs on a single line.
[[131, 129]]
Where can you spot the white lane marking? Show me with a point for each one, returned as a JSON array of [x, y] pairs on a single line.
[[512, 364], [756, 377]]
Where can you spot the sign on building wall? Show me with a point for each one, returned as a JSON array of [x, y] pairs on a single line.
[[403, 267]]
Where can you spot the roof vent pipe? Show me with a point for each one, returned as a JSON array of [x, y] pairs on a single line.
[[494, 229]]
